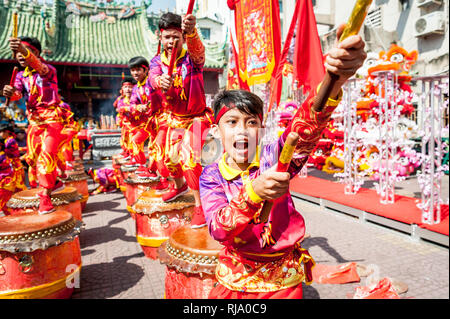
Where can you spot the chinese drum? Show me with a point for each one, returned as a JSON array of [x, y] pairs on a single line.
[[78, 179], [190, 256], [156, 220], [40, 256], [124, 172], [117, 162], [27, 201], [135, 186]]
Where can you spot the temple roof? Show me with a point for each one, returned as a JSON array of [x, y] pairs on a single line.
[[80, 33]]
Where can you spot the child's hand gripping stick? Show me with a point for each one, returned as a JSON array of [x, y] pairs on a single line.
[[283, 164], [11, 82]]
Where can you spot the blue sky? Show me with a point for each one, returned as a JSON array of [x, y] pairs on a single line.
[[162, 4]]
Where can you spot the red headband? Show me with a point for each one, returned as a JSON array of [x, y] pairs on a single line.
[[30, 46], [225, 109]]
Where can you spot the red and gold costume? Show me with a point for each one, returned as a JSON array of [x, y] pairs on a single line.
[[261, 259], [70, 130], [12, 151], [188, 117], [121, 104], [38, 83], [141, 122], [7, 183]]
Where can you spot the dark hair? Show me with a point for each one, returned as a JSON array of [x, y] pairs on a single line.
[[169, 20], [6, 127], [33, 41], [138, 62], [244, 101], [20, 130]]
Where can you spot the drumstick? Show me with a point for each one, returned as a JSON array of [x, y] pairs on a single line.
[[353, 26], [190, 7], [14, 32], [11, 82], [173, 57], [282, 166]]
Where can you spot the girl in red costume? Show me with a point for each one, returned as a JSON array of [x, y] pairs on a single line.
[[38, 83]]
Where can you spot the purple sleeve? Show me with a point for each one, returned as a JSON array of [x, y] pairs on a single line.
[[226, 219]]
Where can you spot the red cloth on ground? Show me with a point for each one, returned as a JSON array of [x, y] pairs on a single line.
[[335, 274]]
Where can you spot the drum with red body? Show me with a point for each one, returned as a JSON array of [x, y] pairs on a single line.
[[156, 220], [190, 256], [40, 256], [27, 201], [124, 172], [117, 162], [79, 180], [135, 186]]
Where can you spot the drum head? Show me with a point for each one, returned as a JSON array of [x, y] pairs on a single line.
[[29, 232], [29, 223], [191, 251], [76, 175], [151, 202], [135, 179], [30, 198]]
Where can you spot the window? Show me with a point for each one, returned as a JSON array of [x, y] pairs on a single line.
[[206, 33]]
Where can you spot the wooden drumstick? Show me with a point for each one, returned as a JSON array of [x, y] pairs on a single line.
[[282, 166], [353, 26], [11, 82], [14, 32]]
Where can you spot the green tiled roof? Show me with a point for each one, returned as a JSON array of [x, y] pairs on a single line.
[[76, 39]]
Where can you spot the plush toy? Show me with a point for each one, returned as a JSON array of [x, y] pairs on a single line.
[[396, 59]]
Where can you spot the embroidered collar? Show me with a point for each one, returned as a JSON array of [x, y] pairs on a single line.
[[28, 71], [140, 84], [230, 173]]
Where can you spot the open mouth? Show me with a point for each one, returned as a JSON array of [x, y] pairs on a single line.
[[241, 145]]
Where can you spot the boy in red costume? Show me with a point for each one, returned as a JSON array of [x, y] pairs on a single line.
[[182, 96], [141, 119], [38, 83], [263, 259], [121, 104], [12, 151]]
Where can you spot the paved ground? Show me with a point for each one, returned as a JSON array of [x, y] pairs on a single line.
[[115, 267]]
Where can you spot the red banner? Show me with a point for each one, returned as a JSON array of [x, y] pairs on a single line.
[[234, 82], [258, 34]]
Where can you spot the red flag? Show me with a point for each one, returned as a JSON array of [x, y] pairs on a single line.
[[277, 79], [308, 57]]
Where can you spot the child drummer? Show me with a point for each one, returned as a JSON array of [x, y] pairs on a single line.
[[183, 97], [121, 104], [263, 259], [39, 84]]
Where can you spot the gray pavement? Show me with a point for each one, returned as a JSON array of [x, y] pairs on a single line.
[[114, 266]]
